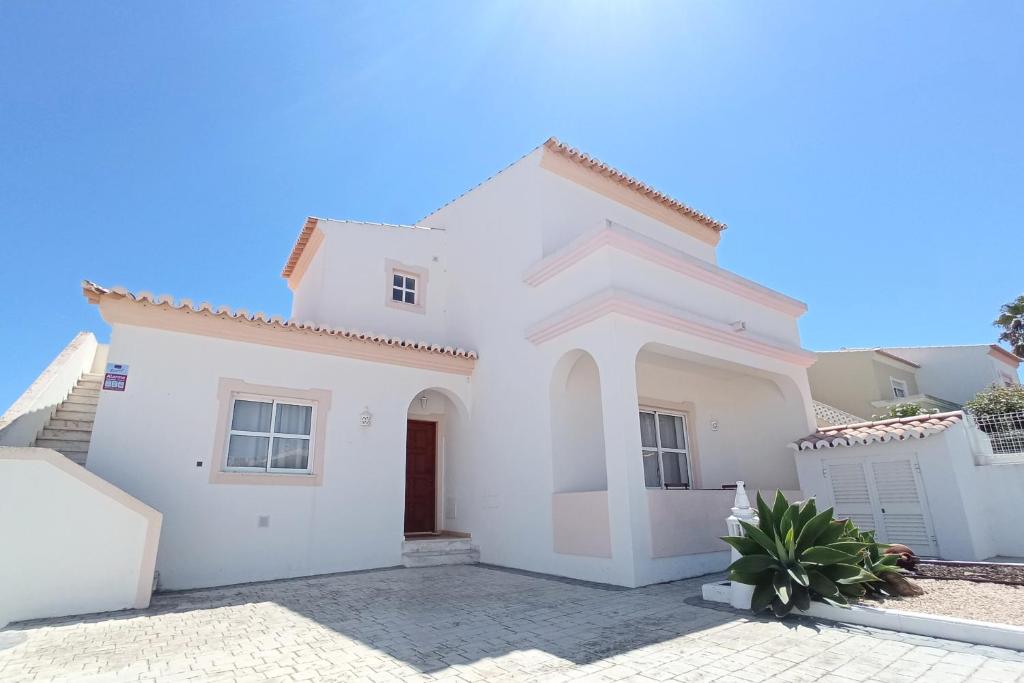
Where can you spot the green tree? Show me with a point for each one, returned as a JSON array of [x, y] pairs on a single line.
[[1011, 319]]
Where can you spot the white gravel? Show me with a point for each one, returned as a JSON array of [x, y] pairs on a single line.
[[994, 602]]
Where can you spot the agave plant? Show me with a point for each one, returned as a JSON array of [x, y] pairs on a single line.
[[874, 560], [796, 554]]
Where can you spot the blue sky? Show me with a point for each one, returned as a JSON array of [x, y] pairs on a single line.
[[868, 157]]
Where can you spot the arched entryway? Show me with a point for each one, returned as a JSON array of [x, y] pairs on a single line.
[[435, 419]]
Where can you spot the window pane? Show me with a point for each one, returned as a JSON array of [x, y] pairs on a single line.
[[676, 473], [648, 438], [410, 283], [396, 295], [410, 297], [290, 454], [672, 432], [293, 419], [251, 416], [652, 477], [248, 451], [397, 281]]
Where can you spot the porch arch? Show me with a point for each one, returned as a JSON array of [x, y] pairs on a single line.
[[577, 425]]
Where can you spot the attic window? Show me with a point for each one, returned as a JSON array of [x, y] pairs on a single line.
[[899, 388], [403, 288]]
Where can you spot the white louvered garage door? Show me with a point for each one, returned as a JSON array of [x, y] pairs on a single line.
[[884, 493], [850, 493]]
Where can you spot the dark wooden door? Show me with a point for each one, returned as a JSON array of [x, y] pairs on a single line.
[[420, 476]]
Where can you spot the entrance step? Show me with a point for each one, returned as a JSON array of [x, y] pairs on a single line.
[[435, 551]]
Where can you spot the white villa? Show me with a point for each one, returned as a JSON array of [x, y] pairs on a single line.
[[549, 373]]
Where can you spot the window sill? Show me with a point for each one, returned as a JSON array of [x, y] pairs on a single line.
[[265, 478]]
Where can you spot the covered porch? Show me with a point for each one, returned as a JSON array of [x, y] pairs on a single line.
[[650, 431]]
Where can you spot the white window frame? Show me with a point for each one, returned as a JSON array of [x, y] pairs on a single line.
[[272, 434], [406, 277], [900, 385], [661, 451]]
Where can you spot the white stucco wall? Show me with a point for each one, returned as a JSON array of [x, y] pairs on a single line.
[[968, 503], [72, 543], [347, 283], [148, 439]]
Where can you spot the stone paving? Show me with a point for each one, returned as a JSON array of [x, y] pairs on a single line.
[[470, 623]]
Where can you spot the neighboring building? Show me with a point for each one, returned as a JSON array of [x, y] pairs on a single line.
[[866, 382], [590, 382], [957, 373]]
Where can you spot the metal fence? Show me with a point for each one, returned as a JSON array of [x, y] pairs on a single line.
[[1005, 432]]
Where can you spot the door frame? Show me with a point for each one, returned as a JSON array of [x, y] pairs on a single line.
[[439, 462]]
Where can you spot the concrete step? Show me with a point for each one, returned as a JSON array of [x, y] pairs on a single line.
[[86, 391], [75, 414], [77, 457], [78, 425], [63, 444], [65, 434], [77, 399], [432, 552], [92, 376]]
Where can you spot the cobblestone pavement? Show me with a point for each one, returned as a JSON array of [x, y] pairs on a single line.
[[470, 623]]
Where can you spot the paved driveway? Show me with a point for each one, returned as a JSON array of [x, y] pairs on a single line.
[[469, 623]]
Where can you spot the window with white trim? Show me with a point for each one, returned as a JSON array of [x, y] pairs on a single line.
[[270, 435], [403, 288], [899, 388], [665, 450]]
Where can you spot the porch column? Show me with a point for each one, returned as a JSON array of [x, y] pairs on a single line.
[[627, 496]]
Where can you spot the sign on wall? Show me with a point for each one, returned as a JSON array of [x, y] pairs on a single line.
[[115, 377]]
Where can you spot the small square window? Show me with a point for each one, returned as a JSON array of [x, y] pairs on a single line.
[[899, 388], [403, 289]]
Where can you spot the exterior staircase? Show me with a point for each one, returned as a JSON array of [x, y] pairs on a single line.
[[69, 429], [432, 551]]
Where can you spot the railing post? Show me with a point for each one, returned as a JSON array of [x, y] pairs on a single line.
[[740, 593]]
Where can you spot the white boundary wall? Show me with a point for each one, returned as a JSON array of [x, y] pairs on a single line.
[[972, 506], [72, 543]]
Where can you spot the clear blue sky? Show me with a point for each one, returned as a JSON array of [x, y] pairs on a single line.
[[868, 157]]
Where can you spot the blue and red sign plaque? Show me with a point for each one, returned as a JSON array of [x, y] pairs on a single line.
[[116, 377]]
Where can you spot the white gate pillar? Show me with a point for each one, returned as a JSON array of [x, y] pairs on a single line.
[[740, 593]]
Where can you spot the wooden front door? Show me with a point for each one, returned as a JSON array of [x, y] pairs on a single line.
[[420, 476]]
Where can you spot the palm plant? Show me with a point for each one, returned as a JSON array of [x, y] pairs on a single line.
[[1011, 319], [796, 554]]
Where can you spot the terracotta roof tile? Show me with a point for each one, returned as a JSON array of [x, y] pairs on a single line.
[[632, 183], [881, 431], [300, 244], [94, 292]]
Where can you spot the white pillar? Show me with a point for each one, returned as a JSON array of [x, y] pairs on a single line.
[[740, 593], [627, 496]]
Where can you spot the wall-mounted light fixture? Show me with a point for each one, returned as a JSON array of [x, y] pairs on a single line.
[[365, 418], [423, 401], [739, 326]]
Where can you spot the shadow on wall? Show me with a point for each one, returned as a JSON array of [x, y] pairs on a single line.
[[427, 618]]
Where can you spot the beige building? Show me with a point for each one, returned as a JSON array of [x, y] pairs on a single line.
[[866, 382]]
